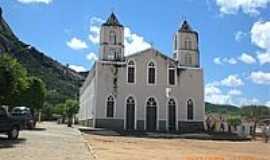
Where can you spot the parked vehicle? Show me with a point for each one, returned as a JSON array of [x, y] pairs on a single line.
[[8, 124], [24, 114]]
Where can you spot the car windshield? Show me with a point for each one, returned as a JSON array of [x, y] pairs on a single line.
[[20, 111]]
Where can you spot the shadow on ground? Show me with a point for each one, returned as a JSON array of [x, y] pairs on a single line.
[[7, 143], [37, 129], [166, 135]]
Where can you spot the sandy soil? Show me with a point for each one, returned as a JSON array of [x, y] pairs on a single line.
[[130, 148]]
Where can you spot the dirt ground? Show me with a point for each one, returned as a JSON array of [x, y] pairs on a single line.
[[131, 148]]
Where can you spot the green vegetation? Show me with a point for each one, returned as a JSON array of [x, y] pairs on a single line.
[[67, 110], [71, 108], [13, 79], [249, 112], [17, 88], [233, 122], [61, 82], [34, 95], [222, 109]]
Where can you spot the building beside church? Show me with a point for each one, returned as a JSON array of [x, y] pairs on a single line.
[[146, 90]]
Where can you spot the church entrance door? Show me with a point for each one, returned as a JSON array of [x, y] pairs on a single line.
[[130, 117], [172, 118], [151, 118]]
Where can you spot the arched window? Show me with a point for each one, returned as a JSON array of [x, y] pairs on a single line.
[[188, 59], [112, 54], [131, 72], [113, 37], [118, 55], [130, 101], [171, 102], [188, 43], [151, 102], [151, 114], [171, 115], [151, 69], [171, 74], [110, 106], [130, 114], [190, 109]]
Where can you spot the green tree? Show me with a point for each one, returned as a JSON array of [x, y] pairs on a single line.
[[47, 111], [35, 94], [233, 122], [13, 79], [60, 109], [71, 108], [255, 113]]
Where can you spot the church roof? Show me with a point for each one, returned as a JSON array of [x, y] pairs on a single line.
[[153, 51], [186, 27], [112, 21]]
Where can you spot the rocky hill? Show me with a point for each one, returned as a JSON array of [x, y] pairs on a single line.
[[60, 81]]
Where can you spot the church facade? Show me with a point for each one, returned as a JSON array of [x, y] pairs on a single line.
[[145, 91]]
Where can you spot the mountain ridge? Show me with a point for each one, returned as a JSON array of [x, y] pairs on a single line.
[[60, 80]]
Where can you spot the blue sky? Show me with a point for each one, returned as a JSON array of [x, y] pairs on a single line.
[[234, 36]]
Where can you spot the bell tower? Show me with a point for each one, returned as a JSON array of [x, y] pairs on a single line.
[[111, 40], [185, 46]]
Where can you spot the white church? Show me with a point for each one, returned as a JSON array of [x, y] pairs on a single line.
[[146, 91]]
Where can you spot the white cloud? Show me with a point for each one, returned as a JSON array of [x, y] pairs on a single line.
[[35, 1], [212, 89], [246, 58], [132, 41], [219, 61], [260, 77], [95, 24], [232, 81], [94, 36], [267, 103], [261, 38], [264, 57], [213, 94], [250, 7], [91, 56], [229, 60], [242, 101], [260, 34], [239, 35], [78, 68], [218, 99], [77, 44], [235, 92]]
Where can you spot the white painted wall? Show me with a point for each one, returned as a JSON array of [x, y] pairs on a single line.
[[189, 86]]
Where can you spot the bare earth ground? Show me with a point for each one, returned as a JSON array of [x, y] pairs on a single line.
[[131, 148]]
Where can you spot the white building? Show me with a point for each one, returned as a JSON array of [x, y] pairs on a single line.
[[147, 90]]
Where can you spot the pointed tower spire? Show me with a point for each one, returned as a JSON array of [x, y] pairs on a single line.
[[112, 40], [185, 27], [186, 46], [112, 21]]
